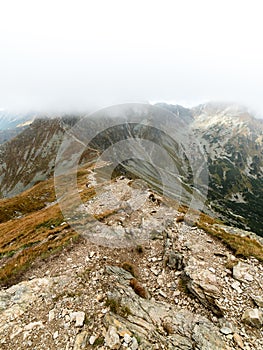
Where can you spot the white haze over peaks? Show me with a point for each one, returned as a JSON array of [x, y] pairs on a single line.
[[76, 55]]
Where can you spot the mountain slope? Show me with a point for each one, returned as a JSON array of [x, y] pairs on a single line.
[[174, 286], [12, 124], [30, 157], [233, 142]]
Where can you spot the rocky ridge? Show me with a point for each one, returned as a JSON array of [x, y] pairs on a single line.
[[173, 287]]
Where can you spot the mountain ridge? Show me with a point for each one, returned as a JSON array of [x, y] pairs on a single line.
[[230, 140]]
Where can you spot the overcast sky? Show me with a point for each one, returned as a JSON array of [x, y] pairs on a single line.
[[73, 55]]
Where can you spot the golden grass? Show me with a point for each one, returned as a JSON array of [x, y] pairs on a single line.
[[27, 202], [104, 215], [41, 231], [241, 246], [13, 269]]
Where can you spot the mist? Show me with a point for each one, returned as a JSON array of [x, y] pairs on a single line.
[[76, 56]]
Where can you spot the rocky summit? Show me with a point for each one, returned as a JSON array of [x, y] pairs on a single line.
[[174, 286]]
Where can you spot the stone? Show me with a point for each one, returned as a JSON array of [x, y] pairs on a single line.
[[112, 339], [147, 314], [119, 272], [155, 271], [207, 338], [204, 286], [226, 330], [258, 300], [51, 315], [92, 339], [241, 272], [238, 340], [16, 331], [127, 338], [253, 317], [33, 325], [236, 286], [175, 261], [162, 293], [81, 341], [134, 345], [55, 335], [78, 317]]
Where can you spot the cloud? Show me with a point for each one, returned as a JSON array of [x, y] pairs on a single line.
[[67, 55]]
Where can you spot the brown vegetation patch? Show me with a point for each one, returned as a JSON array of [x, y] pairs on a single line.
[[138, 288], [241, 246], [130, 267], [39, 231]]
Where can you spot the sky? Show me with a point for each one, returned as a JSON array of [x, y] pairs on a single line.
[[78, 55]]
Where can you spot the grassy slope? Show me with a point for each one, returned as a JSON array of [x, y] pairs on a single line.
[[38, 232]]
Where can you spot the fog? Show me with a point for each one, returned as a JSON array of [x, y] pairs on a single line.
[[82, 55]]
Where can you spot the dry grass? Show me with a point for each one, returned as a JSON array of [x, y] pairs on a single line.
[[105, 214], [130, 267], [139, 288], [27, 202], [241, 246], [35, 235], [40, 232], [43, 193], [13, 269]]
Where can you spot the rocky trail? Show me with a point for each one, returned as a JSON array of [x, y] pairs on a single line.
[[172, 287]]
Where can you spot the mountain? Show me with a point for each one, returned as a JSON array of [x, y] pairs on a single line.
[[208, 157], [30, 156], [105, 239], [10, 120], [11, 124], [232, 140]]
